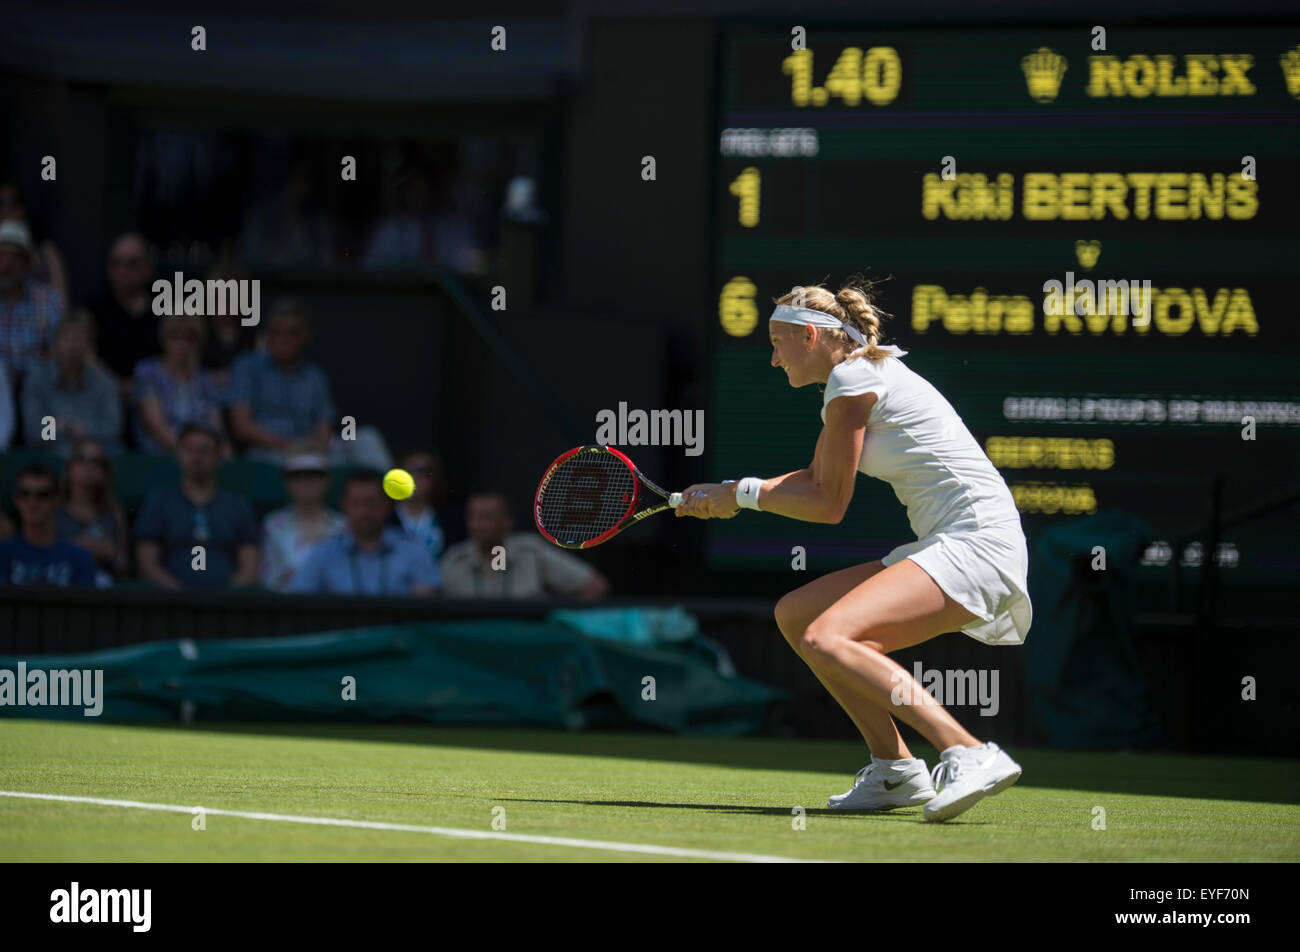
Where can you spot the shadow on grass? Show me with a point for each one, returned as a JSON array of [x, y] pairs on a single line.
[[906, 814], [1104, 772]]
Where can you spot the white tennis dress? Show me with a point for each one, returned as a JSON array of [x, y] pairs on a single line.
[[968, 533]]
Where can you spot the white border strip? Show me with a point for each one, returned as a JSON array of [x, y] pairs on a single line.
[[433, 830]]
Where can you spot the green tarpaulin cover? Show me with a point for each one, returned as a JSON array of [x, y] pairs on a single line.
[[465, 672]]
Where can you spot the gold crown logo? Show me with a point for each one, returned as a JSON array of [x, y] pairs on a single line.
[[1044, 70], [1290, 61], [1087, 252]]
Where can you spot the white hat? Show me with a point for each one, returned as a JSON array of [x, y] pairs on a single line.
[[15, 232], [305, 463]]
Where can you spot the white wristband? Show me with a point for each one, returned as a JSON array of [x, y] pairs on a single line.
[[747, 492]]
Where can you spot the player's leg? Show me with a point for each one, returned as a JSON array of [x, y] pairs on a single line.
[[892, 609], [795, 612], [893, 778]]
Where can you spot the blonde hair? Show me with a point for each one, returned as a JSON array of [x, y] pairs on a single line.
[[853, 305]]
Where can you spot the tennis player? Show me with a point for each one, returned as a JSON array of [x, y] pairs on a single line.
[[965, 572]]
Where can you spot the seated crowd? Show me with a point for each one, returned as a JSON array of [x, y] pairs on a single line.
[[87, 383]]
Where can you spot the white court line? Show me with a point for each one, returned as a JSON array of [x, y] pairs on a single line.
[[433, 830]]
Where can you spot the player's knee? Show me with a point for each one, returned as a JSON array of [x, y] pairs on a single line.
[[788, 617], [816, 639]]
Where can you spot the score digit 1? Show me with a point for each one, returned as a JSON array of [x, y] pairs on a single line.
[[799, 66], [747, 187]]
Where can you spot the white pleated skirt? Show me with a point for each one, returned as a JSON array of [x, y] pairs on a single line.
[[985, 569]]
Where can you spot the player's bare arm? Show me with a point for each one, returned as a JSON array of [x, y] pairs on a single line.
[[820, 493]]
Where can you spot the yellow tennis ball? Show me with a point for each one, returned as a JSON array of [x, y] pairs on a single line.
[[398, 483]]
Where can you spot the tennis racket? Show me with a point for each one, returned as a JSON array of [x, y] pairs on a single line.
[[590, 494]]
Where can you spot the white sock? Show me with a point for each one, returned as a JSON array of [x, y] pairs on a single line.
[[951, 751], [894, 765]]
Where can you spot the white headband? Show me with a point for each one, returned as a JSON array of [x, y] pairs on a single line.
[[806, 315]]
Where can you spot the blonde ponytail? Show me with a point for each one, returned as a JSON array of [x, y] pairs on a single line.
[[852, 305]]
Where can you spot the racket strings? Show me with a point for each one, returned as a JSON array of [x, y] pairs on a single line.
[[586, 496]]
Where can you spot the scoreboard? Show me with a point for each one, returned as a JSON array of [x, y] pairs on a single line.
[[1088, 240]]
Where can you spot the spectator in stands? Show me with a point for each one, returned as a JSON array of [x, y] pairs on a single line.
[[90, 515], [286, 226], [128, 329], [525, 566], [280, 398], [228, 341], [29, 310], [196, 515], [73, 389], [290, 534], [37, 556], [6, 525], [172, 390], [229, 338], [404, 236], [371, 558], [415, 232], [8, 417], [415, 515], [47, 263]]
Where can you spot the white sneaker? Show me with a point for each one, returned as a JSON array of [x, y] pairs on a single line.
[[877, 789], [967, 775]]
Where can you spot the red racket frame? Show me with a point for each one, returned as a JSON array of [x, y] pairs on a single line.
[[629, 517]]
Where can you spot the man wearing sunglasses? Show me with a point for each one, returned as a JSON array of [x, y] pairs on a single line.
[[36, 556]]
